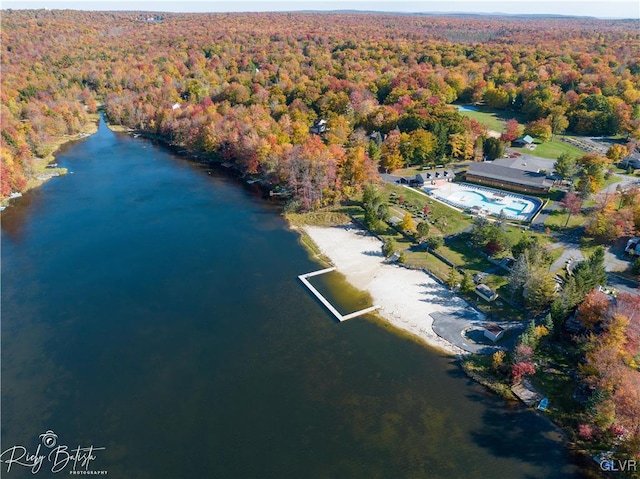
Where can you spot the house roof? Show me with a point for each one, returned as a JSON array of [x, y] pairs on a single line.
[[632, 159], [509, 175], [484, 289], [527, 163], [525, 139], [435, 174], [494, 328]]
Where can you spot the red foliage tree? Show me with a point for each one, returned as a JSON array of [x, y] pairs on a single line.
[[512, 130], [593, 309], [519, 370], [572, 203]]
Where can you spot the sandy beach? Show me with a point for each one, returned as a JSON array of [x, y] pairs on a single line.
[[406, 297]]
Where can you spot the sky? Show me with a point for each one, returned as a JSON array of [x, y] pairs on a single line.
[[601, 9]]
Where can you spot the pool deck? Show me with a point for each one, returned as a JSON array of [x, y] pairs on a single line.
[[452, 194]]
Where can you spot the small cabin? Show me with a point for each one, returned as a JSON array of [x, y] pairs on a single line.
[[394, 220], [631, 161], [486, 292], [524, 141], [319, 127], [493, 332], [377, 137]]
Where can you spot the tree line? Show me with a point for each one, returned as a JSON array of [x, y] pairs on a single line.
[[247, 89]]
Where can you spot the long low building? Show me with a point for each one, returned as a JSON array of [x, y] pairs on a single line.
[[508, 178]]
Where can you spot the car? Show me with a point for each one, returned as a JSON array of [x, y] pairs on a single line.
[[479, 277]]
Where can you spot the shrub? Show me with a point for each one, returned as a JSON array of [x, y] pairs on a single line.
[[522, 369], [466, 285], [635, 267], [498, 359], [435, 242], [389, 248], [585, 431], [522, 353]]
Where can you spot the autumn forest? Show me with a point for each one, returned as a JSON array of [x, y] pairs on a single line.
[[247, 88]]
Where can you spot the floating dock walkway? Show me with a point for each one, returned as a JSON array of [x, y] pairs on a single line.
[[325, 302]]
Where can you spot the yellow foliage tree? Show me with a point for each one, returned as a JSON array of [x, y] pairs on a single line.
[[407, 223]]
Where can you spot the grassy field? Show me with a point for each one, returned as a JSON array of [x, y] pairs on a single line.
[[495, 119], [588, 246], [322, 217], [460, 254], [446, 219], [422, 259], [479, 368], [554, 380], [492, 119], [557, 220], [408, 172], [552, 150]]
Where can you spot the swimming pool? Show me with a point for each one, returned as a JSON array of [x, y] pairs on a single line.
[[487, 201]]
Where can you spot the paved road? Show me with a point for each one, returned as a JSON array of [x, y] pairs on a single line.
[[468, 334], [571, 253], [541, 218], [624, 182], [622, 284]]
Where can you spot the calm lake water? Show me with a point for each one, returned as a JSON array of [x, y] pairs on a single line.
[[153, 309]]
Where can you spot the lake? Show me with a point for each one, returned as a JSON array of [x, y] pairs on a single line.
[[152, 308]]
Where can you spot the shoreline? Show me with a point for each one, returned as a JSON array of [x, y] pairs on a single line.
[[405, 297], [43, 174]]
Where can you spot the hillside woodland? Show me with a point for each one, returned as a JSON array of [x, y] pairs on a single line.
[[247, 88]]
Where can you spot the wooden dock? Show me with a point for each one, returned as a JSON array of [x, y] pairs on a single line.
[[526, 393], [325, 302]]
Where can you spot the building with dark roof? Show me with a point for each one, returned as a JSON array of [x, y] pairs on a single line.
[[430, 177], [508, 178], [486, 292], [523, 141], [319, 127], [632, 160], [493, 331]]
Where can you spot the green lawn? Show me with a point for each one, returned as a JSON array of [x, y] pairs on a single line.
[[495, 119], [422, 259], [446, 219], [499, 309], [496, 281], [552, 150], [588, 245], [328, 217], [408, 172], [612, 180], [492, 119], [558, 218], [464, 256]]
